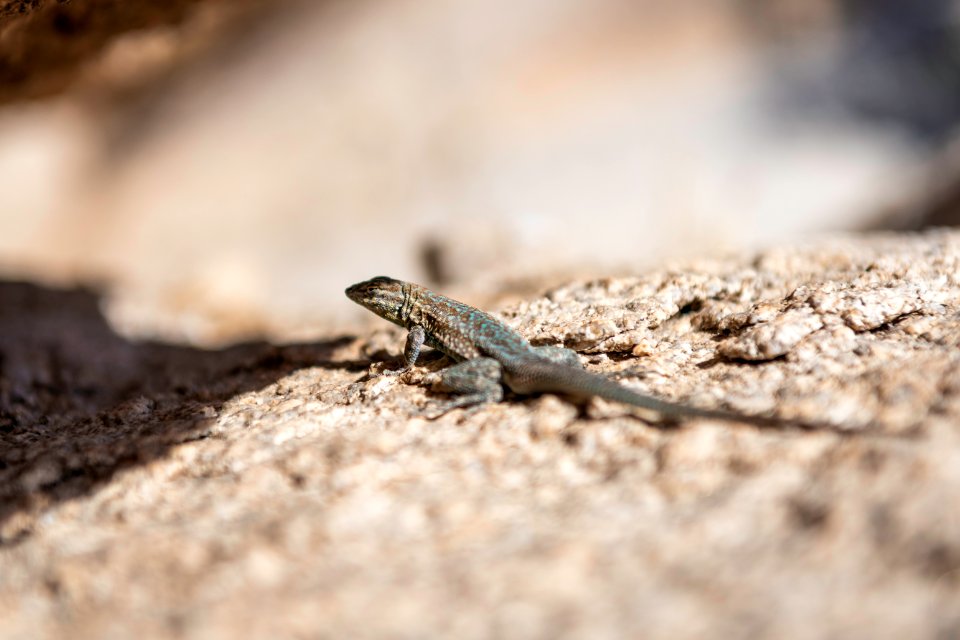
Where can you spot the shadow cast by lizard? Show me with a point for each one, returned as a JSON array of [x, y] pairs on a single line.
[[79, 402]]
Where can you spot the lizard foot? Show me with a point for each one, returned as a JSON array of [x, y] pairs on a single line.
[[389, 373]]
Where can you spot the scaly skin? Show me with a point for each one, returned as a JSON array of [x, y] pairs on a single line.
[[490, 354]]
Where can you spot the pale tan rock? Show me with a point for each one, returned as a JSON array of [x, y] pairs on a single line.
[[148, 490], [769, 340]]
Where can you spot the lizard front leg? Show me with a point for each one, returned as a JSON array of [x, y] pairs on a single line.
[[478, 381], [411, 350]]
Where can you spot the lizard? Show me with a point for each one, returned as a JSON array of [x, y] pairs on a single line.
[[489, 354]]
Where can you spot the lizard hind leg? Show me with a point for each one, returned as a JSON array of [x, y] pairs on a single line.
[[477, 382]]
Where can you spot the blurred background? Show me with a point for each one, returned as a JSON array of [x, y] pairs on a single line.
[[223, 170]]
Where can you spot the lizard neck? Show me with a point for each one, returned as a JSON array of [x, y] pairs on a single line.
[[410, 305]]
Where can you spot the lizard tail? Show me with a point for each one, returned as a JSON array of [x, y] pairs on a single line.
[[550, 377]]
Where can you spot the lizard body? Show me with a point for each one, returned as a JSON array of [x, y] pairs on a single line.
[[490, 354]]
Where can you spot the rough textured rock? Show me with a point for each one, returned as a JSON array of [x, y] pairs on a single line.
[[163, 491]]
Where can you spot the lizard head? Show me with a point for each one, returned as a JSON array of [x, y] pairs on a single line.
[[382, 295]]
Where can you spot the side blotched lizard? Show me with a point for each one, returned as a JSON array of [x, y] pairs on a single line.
[[489, 354]]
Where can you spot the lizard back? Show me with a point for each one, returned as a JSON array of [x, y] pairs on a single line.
[[464, 332]]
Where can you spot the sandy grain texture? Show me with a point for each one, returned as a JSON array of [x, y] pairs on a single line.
[[158, 491]]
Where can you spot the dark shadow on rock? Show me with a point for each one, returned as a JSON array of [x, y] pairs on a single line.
[[78, 402]]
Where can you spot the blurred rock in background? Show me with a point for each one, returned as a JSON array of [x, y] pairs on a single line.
[[226, 169]]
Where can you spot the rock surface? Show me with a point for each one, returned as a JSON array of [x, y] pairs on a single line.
[[158, 491]]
